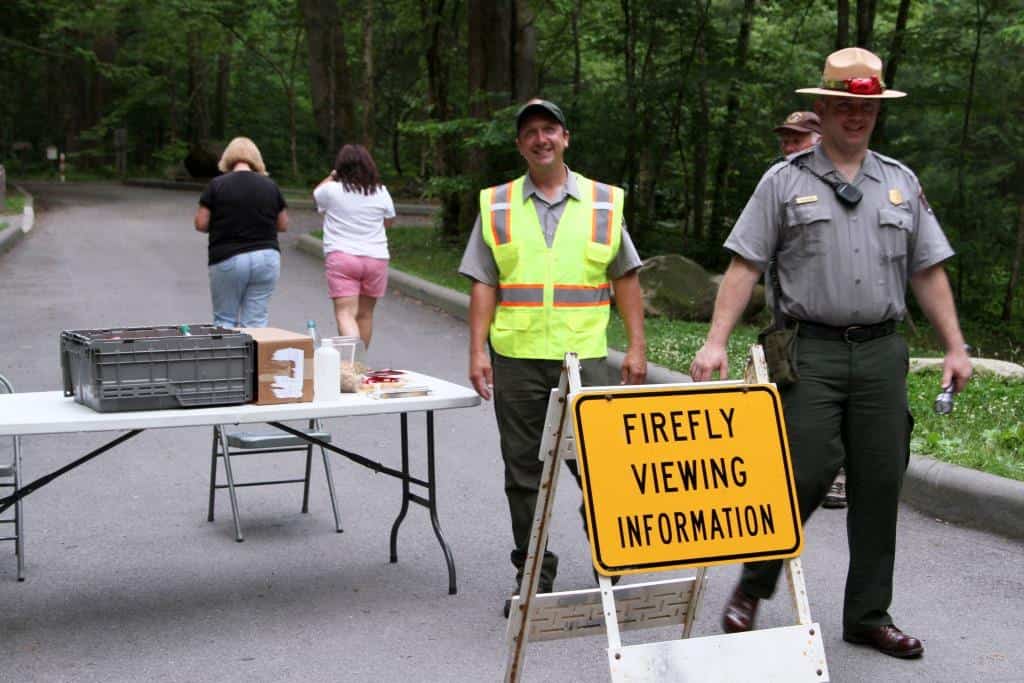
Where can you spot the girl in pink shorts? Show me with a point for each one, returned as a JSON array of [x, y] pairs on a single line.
[[357, 209]]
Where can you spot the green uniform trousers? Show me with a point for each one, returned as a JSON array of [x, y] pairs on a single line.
[[849, 408], [521, 390]]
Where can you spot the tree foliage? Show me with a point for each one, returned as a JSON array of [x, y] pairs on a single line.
[[672, 99]]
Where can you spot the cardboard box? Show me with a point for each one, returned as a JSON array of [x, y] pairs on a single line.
[[284, 366]]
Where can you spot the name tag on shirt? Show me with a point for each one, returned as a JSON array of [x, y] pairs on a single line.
[[809, 199]]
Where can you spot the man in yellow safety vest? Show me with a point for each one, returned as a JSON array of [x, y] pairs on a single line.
[[546, 253]]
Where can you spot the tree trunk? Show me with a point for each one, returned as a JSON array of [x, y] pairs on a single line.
[[105, 47], [289, 88], [967, 227], [220, 104], [524, 48], [842, 24], [577, 10], [502, 44], [629, 166], [895, 54], [701, 8], [641, 179], [721, 181], [865, 22], [698, 133], [369, 98], [490, 56], [198, 122], [329, 76], [1018, 257], [441, 159]]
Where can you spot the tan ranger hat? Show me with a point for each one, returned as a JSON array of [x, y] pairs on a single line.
[[853, 72]]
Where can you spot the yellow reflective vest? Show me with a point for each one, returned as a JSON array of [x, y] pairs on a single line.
[[552, 299]]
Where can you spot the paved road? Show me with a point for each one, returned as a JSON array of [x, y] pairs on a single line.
[[127, 581]]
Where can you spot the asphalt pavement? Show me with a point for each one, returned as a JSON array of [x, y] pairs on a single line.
[[128, 581]]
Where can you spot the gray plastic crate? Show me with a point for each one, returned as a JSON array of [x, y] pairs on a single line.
[[150, 368]]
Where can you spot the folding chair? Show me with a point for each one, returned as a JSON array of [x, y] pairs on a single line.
[[10, 477], [227, 444]]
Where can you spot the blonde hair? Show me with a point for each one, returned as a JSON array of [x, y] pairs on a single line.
[[241, 149]]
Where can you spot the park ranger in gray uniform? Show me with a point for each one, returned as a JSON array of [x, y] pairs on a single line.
[[848, 228]]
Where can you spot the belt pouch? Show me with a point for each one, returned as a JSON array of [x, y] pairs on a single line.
[[780, 354], [779, 340]]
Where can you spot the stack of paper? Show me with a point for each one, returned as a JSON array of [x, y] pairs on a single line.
[[405, 391]]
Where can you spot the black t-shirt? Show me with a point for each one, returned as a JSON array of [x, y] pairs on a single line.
[[243, 214]]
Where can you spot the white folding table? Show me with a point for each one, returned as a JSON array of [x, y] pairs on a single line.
[[51, 412]]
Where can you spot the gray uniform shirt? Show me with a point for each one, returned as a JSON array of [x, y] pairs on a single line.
[[840, 265], [478, 259]]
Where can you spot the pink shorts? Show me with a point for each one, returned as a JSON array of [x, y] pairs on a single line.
[[349, 275]]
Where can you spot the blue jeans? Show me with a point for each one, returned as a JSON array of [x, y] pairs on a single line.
[[240, 288]]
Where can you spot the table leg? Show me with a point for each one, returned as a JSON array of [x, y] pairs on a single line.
[[432, 505], [405, 487], [231, 484]]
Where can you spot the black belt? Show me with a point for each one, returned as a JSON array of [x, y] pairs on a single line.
[[852, 333]]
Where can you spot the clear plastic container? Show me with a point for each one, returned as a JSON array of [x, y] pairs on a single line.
[[349, 372], [359, 353]]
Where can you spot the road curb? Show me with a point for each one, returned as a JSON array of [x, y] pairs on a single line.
[[190, 186], [949, 492], [402, 208], [965, 496]]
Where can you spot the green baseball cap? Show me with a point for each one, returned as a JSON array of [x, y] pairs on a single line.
[[539, 107]]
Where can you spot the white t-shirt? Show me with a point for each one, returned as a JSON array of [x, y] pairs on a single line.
[[353, 222]]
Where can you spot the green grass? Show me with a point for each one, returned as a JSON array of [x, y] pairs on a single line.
[[418, 251], [984, 432], [14, 202]]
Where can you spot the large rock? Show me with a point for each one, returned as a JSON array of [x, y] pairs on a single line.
[[676, 287], [995, 366]]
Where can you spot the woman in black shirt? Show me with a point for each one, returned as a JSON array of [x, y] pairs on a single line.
[[242, 211]]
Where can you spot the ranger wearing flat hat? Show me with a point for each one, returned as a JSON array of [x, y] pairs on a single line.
[[543, 255], [849, 229]]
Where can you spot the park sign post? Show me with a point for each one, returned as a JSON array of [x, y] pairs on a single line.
[[685, 476]]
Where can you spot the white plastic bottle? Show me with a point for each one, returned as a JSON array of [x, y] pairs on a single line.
[[326, 372]]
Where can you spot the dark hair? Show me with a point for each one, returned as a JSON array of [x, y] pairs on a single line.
[[355, 170]]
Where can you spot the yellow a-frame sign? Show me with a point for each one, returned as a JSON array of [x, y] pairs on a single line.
[[673, 476], [685, 476]]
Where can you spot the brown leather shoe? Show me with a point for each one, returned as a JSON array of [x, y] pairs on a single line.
[[888, 639], [740, 612]]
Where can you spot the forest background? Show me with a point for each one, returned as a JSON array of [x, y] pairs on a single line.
[[672, 99]]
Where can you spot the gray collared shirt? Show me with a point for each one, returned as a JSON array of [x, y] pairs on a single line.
[[840, 265], [478, 259]]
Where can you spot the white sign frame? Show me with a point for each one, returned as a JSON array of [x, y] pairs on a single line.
[[789, 654]]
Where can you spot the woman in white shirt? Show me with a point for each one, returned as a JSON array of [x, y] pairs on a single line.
[[356, 208]]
